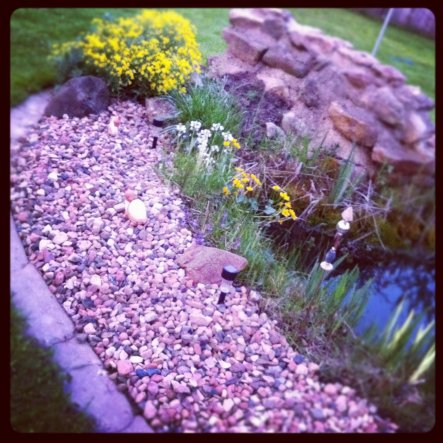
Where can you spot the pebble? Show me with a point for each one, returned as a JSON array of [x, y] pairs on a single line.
[[341, 403], [23, 216], [53, 176], [318, 414], [153, 388], [89, 329], [45, 244], [150, 317], [187, 365], [330, 389], [200, 320], [124, 367], [301, 369], [298, 359], [150, 410], [59, 278], [84, 245], [228, 404]]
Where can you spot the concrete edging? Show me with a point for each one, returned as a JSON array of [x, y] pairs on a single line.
[[89, 387]]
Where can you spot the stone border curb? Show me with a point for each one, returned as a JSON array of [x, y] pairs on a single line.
[[89, 387]]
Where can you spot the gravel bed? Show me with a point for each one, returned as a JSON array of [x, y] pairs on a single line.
[[187, 364]]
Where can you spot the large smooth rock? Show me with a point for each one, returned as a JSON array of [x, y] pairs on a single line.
[[386, 106], [358, 57], [310, 94], [293, 124], [79, 97], [392, 75], [358, 77], [416, 128], [353, 123], [298, 65], [248, 47], [255, 17], [205, 264], [405, 161], [413, 97], [336, 95]]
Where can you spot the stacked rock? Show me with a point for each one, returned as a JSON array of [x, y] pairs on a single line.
[[337, 94]]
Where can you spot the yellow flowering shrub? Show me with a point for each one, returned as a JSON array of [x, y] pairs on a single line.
[[149, 54]]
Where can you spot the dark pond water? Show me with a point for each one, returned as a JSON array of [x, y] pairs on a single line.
[[400, 279], [407, 276]]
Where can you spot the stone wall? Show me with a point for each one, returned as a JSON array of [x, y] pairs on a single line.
[[421, 20], [338, 96]]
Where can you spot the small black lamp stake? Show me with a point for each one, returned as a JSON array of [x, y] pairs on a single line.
[[228, 276], [157, 122], [343, 227]]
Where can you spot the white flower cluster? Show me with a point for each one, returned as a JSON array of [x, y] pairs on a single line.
[[195, 125], [217, 127], [200, 139], [180, 128], [227, 136]]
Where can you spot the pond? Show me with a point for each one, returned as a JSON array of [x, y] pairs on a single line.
[[407, 276], [398, 279]]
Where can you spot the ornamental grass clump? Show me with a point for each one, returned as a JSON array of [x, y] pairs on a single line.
[[150, 54]]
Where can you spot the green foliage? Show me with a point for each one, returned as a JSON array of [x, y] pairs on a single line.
[[151, 53], [33, 31], [327, 307], [208, 104], [343, 185], [409, 361], [38, 400]]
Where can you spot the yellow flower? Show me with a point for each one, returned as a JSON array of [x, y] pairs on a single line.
[[285, 212], [237, 183], [226, 143], [239, 169], [245, 180], [249, 188], [288, 205], [226, 191], [292, 214], [235, 143], [276, 188], [157, 51], [284, 196], [254, 177]]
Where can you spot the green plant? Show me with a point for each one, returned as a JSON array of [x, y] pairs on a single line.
[[343, 185], [151, 53], [396, 350], [208, 103], [329, 306]]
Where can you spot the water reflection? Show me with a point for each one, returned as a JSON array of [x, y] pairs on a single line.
[[394, 282]]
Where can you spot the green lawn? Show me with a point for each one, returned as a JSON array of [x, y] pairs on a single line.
[[38, 400], [34, 30]]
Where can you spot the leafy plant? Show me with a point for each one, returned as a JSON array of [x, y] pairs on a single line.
[[151, 53], [343, 184], [208, 103], [396, 350]]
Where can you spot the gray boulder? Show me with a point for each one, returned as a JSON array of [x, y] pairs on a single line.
[[79, 97]]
